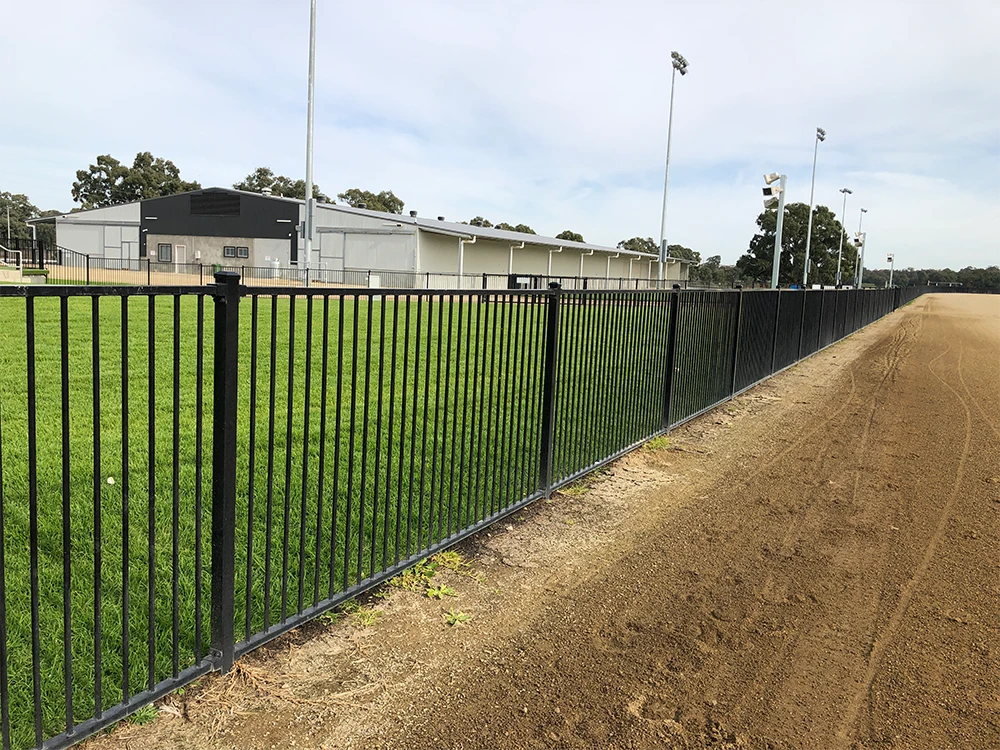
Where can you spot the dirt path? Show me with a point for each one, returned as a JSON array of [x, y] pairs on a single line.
[[812, 566]]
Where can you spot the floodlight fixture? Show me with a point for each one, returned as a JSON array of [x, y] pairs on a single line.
[[772, 177], [820, 134]]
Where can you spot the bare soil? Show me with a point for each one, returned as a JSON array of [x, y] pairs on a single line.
[[814, 565]]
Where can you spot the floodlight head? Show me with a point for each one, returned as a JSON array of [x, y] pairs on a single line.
[[771, 191], [864, 210], [770, 203], [773, 177], [846, 191], [820, 134]]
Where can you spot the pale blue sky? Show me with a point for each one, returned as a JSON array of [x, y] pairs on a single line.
[[548, 113]]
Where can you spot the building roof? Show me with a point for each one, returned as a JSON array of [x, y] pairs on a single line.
[[454, 229], [457, 229]]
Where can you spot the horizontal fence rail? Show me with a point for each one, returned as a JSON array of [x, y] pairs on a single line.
[[188, 471]]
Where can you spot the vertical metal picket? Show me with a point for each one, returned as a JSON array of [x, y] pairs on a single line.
[[668, 390], [552, 300], [774, 332], [227, 300], [736, 342]]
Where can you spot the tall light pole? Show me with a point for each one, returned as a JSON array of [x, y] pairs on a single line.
[[843, 219], [892, 263], [775, 197], [310, 208], [680, 65], [820, 136], [859, 272]]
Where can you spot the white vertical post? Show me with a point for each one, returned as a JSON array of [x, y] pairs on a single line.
[[307, 244], [549, 272], [666, 179], [776, 262], [843, 231], [820, 136], [859, 262]]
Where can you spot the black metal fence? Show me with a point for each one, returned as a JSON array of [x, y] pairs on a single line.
[[187, 472]]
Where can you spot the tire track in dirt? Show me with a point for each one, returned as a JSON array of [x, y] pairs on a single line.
[[892, 355], [888, 634]]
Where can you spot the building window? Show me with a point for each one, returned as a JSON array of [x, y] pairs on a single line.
[[229, 251], [243, 252], [165, 253]]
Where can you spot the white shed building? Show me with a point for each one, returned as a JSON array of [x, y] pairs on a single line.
[[237, 228]]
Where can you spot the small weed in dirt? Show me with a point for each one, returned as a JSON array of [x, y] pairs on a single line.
[[450, 560], [452, 618], [417, 577], [144, 715], [331, 618], [658, 443], [440, 592], [577, 489], [365, 617]]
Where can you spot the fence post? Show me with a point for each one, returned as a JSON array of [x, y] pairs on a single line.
[[668, 389], [88, 270], [225, 370], [802, 325], [736, 342], [819, 328], [549, 387], [149, 273], [774, 333]]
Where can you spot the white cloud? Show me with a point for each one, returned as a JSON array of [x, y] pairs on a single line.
[[552, 113]]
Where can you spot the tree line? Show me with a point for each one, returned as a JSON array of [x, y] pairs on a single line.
[[109, 182]]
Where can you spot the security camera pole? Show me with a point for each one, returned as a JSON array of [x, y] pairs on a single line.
[[820, 136], [775, 196], [843, 231], [310, 204], [859, 272], [680, 65], [892, 262]]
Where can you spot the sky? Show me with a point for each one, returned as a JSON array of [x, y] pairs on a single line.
[[551, 113]]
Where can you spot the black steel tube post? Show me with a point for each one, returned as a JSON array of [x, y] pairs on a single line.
[[668, 390], [736, 342], [88, 270], [227, 300], [774, 333], [802, 325], [552, 301]]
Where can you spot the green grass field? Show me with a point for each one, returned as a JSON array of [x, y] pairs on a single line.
[[413, 446]]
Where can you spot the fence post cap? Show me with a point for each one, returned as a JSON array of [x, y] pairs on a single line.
[[677, 287], [223, 277], [555, 285]]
